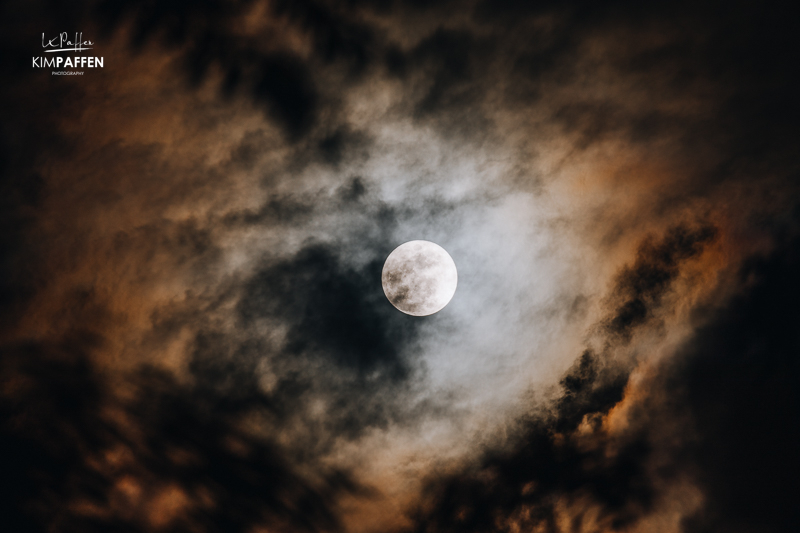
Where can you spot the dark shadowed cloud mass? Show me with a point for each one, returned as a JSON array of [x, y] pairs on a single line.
[[194, 333]]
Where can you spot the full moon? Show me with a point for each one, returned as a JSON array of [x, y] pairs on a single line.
[[419, 278]]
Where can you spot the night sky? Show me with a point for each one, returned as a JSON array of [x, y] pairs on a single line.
[[193, 333]]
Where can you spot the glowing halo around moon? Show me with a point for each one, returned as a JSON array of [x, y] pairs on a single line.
[[419, 278]]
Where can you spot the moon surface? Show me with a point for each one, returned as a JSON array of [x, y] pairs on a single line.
[[419, 278]]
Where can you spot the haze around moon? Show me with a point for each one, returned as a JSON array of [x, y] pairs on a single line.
[[419, 278]]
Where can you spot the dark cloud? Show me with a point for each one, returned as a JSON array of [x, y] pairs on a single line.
[[639, 288], [335, 147], [336, 315], [336, 34], [203, 31], [450, 57], [275, 211], [19, 195], [77, 459], [544, 463], [344, 308], [286, 85], [738, 380], [271, 73]]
